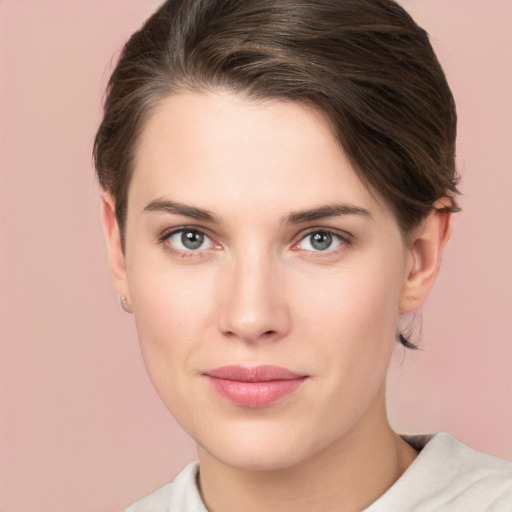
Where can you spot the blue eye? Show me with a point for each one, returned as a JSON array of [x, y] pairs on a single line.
[[320, 241], [188, 240]]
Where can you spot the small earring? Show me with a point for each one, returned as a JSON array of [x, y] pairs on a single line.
[[125, 305]]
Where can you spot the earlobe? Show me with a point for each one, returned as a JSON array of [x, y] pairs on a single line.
[[427, 242], [116, 255]]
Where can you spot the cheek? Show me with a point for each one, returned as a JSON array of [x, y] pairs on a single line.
[[352, 318], [177, 295], [360, 297], [172, 310]]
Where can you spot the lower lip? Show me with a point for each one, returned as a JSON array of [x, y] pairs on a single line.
[[254, 394]]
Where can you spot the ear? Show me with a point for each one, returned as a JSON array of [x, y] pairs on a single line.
[[427, 242], [116, 255]]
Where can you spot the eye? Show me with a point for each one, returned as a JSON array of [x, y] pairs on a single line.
[[320, 241], [189, 240]]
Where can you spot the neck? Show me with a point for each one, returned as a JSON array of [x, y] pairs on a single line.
[[347, 475]]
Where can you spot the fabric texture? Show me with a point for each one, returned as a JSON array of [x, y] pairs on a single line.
[[446, 476]]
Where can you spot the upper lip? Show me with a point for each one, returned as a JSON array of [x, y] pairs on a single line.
[[262, 373]]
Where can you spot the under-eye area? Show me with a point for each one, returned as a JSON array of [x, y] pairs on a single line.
[[190, 241], [187, 242], [323, 242]]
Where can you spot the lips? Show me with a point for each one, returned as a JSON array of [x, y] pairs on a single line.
[[254, 387]]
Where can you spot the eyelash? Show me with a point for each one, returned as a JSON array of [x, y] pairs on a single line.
[[344, 240], [164, 240]]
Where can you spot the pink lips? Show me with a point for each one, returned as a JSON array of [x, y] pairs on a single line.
[[254, 387]]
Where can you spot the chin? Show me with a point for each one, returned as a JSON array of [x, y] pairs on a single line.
[[257, 460], [258, 449]]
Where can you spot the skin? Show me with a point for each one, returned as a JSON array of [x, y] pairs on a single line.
[[258, 292]]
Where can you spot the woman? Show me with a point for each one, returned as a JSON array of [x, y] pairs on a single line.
[[279, 185]]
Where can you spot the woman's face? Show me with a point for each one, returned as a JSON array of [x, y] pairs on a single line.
[[251, 243]]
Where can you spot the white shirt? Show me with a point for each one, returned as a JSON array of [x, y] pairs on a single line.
[[446, 476]]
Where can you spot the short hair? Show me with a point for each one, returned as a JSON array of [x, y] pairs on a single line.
[[365, 65]]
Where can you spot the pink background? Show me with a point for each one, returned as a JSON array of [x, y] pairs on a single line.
[[81, 428]]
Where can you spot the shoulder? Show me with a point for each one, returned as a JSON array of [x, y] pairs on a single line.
[[449, 476], [181, 495]]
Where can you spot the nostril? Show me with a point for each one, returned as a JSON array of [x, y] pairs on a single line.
[[269, 333]]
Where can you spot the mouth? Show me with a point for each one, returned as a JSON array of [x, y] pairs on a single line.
[[254, 387]]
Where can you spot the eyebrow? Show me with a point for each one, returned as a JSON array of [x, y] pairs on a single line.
[[172, 207], [324, 212], [301, 216]]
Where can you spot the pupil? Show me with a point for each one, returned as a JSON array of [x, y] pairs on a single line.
[[321, 241], [192, 239]]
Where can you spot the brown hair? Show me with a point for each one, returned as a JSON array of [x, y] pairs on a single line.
[[364, 64]]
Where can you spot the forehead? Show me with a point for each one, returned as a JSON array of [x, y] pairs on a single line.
[[220, 151]]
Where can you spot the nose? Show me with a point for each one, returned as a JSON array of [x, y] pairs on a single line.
[[254, 303]]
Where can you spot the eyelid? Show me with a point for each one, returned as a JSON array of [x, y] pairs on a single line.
[[166, 234], [346, 239]]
